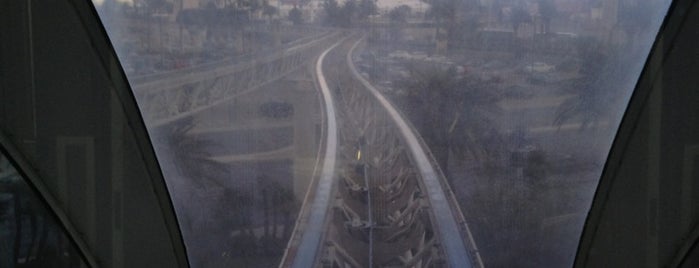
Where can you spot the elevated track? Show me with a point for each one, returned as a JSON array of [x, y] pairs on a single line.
[[380, 200]]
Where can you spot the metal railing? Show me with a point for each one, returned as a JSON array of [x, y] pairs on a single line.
[[175, 95]]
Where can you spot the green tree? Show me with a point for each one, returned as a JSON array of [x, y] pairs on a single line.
[[348, 12], [367, 8], [453, 113], [442, 10], [277, 202], [296, 16], [547, 10], [332, 11], [453, 19], [269, 10], [596, 91], [400, 14], [190, 155], [519, 16], [340, 16], [285, 203], [235, 207], [150, 7]]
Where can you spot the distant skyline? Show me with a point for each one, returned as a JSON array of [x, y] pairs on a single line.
[[388, 4], [382, 4]]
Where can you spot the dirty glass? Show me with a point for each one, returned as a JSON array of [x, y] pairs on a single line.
[[361, 133]]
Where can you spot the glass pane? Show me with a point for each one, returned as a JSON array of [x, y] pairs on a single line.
[[30, 235], [647, 210], [63, 109], [396, 133]]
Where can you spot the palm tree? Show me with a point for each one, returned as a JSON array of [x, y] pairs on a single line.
[[547, 10], [366, 8], [283, 203], [186, 160], [444, 14], [269, 11], [266, 192], [452, 113], [596, 91], [608, 67], [472, 134], [286, 203], [296, 16], [453, 18], [189, 154], [277, 201], [519, 16]]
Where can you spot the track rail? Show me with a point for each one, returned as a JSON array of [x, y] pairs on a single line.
[[445, 219], [312, 235], [305, 253]]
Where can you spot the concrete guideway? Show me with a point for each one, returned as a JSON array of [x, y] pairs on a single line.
[[307, 249], [448, 228]]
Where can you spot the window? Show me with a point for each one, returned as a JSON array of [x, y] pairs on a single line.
[[375, 133]]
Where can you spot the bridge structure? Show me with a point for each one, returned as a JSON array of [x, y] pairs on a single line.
[[376, 197], [174, 95]]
